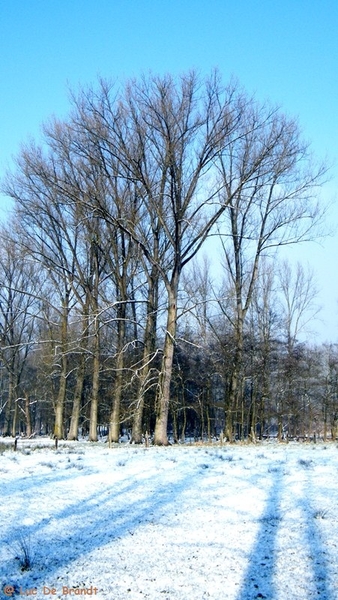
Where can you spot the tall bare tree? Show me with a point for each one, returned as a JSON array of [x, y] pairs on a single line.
[[164, 136], [270, 187], [298, 308]]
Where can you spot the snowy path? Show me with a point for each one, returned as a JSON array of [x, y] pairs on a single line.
[[179, 523]]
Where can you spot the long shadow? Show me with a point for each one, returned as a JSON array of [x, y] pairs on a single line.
[[98, 526], [258, 579], [320, 565], [36, 481], [260, 575]]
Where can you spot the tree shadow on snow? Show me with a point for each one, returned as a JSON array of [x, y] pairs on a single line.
[[98, 523], [320, 564], [259, 577]]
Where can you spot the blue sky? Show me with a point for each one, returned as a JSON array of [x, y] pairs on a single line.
[[282, 50]]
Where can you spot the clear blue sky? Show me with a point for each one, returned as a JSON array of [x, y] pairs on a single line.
[[283, 50]]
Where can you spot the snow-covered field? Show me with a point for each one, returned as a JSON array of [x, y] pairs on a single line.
[[177, 523]]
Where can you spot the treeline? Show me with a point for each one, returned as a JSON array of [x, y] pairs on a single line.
[[110, 320]]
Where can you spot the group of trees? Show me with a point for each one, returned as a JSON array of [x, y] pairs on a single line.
[[108, 318]]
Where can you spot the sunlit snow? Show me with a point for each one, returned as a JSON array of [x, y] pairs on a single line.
[[180, 523]]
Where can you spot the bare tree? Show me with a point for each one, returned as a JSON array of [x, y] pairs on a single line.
[[270, 186], [164, 136], [298, 299], [19, 287], [298, 309]]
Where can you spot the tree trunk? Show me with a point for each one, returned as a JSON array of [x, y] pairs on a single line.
[[175, 429], [148, 352], [28, 417], [163, 393], [15, 417], [74, 422], [184, 425], [114, 423], [236, 391], [8, 412], [60, 401], [94, 403]]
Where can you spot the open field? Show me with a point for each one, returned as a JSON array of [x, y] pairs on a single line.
[[177, 523]]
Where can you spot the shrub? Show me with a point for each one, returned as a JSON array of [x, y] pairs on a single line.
[[24, 553]]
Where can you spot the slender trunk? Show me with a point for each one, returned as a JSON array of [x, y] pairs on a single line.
[[265, 393], [253, 421], [209, 424], [15, 417], [94, 403], [28, 417], [74, 422], [136, 434], [60, 401], [175, 429], [280, 428], [236, 392], [59, 406], [148, 352], [325, 421], [202, 417], [184, 425], [9, 405], [114, 423], [163, 393]]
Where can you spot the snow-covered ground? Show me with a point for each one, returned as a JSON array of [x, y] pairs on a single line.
[[177, 523]]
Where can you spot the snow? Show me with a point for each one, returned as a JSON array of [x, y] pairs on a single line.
[[179, 523]]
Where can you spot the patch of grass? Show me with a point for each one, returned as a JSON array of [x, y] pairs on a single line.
[[273, 519], [274, 469], [227, 457], [3, 447], [50, 465], [322, 513], [306, 463], [69, 450], [24, 553]]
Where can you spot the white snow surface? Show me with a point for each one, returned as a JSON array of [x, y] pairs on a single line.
[[180, 523]]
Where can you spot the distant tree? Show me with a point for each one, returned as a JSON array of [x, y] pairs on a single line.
[[298, 308], [329, 396], [20, 284], [263, 332], [270, 194]]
